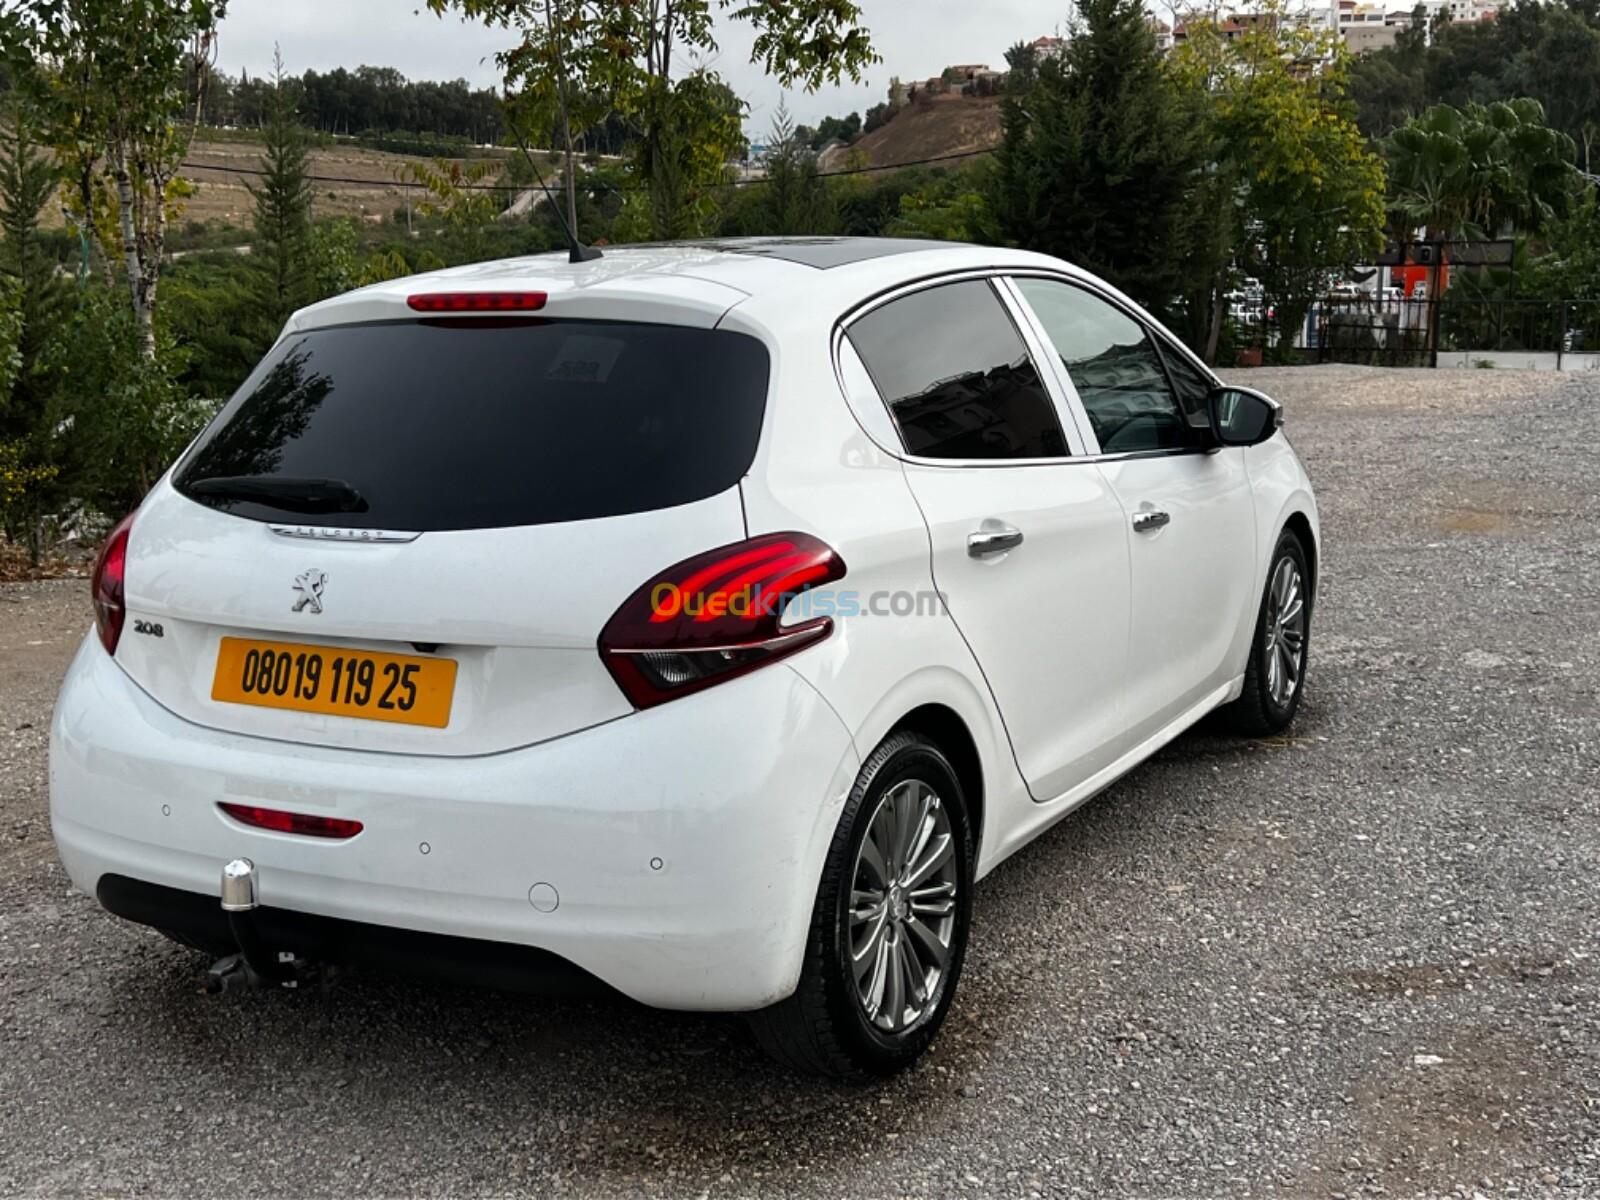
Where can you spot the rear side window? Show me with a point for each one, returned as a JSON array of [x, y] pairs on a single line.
[[956, 377], [473, 424]]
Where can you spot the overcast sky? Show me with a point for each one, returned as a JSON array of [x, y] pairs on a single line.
[[915, 37]]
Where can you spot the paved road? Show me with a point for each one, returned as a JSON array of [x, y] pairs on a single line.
[[1358, 960]]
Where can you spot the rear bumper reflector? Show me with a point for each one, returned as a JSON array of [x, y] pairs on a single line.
[[303, 824]]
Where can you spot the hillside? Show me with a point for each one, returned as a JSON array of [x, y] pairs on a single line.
[[931, 126], [221, 170], [221, 193], [364, 183]]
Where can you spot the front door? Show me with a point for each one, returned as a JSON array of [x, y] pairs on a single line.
[[1191, 532], [1190, 520]]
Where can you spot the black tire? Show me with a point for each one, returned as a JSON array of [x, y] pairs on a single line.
[[1256, 713], [823, 1029]]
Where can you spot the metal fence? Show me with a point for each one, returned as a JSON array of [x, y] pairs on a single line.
[[1397, 331]]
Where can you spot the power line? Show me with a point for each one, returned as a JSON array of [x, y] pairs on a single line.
[[899, 166], [368, 183], [517, 187]]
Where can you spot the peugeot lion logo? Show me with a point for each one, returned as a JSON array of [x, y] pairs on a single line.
[[309, 584]]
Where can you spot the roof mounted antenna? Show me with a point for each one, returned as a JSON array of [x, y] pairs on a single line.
[[577, 252]]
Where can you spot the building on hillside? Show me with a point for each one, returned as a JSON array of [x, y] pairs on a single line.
[[974, 79], [1454, 10], [1357, 20], [1363, 25], [1049, 47], [1364, 39], [1352, 13], [984, 83], [1471, 10], [1249, 19], [1230, 26]]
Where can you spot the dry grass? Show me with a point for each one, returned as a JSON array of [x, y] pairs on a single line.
[[56, 564], [222, 192], [932, 126]]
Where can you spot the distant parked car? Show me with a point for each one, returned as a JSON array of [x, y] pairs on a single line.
[[707, 618]]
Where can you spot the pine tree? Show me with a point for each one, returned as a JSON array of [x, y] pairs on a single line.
[[283, 207], [28, 180], [1097, 159], [798, 201], [35, 302]]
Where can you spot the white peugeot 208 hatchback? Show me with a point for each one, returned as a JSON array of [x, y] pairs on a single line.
[[704, 620]]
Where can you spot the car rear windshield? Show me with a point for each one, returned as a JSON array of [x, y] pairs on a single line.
[[483, 423]]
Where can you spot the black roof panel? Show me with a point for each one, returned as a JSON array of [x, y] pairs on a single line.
[[824, 252]]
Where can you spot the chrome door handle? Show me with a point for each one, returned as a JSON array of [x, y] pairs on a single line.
[[995, 540], [1150, 521]]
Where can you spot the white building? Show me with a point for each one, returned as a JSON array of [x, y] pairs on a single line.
[[1364, 25], [1398, 12], [1369, 25]]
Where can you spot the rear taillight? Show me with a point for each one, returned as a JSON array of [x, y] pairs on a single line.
[[106, 584], [715, 617], [304, 824]]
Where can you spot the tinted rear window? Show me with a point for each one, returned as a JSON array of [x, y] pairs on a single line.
[[478, 424]]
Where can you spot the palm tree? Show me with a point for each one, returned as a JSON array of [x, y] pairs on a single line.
[[1480, 171]]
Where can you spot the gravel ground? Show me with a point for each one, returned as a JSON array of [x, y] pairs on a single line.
[[1361, 959]]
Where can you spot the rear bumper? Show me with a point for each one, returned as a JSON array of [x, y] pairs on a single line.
[[684, 843], [499, 965]]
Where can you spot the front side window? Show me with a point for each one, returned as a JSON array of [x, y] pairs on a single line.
[[1192, 385], [1115, 367], [956, 376]]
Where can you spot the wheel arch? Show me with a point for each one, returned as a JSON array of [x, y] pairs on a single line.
[[1299, 524], [944, 727], [954, 709]]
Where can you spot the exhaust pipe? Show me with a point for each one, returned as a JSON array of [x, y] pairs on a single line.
[[256, 964]]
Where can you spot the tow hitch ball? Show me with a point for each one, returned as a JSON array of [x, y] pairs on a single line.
[[255, 965]]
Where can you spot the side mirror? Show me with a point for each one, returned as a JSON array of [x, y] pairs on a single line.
[[1242, 416]]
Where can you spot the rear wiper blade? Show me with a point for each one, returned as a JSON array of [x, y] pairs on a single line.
[[283, 491]]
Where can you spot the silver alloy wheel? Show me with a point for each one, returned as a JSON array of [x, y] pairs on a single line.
[[1284, 637], [903, 906]]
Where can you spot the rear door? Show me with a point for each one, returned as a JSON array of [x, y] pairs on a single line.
[[1028, 544], [1189, 519], [407, 535]]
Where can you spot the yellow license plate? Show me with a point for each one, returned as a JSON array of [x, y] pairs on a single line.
[[333, 680]]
